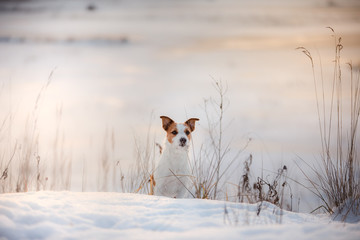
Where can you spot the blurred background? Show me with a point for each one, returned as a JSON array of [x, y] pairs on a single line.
[[78, 75]]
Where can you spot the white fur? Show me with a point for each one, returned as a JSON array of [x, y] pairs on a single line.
[[175, 158]]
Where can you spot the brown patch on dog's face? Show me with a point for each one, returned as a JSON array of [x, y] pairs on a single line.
[[187, 131], [170, 127], [172, 132]]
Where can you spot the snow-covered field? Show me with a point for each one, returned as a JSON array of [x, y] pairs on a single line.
[[96, 215]]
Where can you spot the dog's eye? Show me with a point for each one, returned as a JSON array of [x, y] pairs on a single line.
[[174, 132], [187, 132]]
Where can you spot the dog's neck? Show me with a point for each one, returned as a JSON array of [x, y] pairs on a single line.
[[175, 158], [174, 150]]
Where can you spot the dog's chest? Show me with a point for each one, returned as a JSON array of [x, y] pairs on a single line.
[[176, 161]]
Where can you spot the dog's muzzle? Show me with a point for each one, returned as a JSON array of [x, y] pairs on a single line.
[[182, 142]]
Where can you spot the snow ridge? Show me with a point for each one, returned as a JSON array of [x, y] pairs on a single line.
[[98, 215]]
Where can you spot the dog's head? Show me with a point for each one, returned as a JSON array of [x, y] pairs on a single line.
[[178, 134]]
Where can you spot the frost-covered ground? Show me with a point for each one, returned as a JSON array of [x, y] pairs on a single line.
[[96, 215]]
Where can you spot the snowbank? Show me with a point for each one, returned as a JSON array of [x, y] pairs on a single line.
[[60, 215]]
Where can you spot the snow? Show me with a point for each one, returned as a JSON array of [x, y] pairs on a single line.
[[99, 215]]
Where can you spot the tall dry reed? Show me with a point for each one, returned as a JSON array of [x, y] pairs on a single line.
[[337, 182]]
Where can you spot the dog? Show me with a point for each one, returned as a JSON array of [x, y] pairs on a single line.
[[172, 173]]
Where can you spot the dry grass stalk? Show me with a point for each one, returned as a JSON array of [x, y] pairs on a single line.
[[152, 184], [139, 176], [25, 161], [213, 162], [338, 180]]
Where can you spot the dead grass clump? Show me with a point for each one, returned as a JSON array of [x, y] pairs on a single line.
[[273, 191], [337, 179]]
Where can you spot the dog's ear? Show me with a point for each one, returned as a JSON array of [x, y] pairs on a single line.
[[166, 122], [191, 123]]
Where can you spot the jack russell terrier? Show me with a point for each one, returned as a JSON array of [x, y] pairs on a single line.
[[172, 172]]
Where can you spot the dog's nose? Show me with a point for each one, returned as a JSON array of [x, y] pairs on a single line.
[[182, 142]]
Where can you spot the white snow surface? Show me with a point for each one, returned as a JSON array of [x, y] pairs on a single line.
[[99, 215]]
